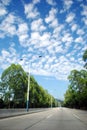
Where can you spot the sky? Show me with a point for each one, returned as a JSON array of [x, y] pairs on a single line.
[[49, 35]]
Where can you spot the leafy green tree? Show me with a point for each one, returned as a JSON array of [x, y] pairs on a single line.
[[70, 97], [38, 96], [14, 82], [85, 58], [1, 103], [34, 92], [76, 95]]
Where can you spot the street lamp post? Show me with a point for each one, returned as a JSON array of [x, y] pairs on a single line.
[[27, 105], [51, 101], [28, 88]]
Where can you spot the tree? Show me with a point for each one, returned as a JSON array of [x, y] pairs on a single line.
[[76, 95], [70, 97], [85, 58], [14, 82]]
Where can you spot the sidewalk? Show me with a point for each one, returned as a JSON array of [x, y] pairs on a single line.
[[5, 113]]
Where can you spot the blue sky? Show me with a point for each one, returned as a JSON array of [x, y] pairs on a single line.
[[53, 29]]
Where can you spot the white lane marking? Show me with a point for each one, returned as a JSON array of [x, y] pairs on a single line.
[[49, 116], [76, 116]]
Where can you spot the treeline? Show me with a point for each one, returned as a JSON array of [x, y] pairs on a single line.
[[76, 95], [13, 87]]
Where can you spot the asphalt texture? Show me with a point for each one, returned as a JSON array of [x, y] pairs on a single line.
[[51, 119]]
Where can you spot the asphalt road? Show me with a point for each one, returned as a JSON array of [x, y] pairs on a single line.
[[52, 119]]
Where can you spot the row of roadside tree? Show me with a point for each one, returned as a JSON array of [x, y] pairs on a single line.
[[13, 87], [76, 95]]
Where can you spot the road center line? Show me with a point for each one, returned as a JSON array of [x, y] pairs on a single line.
[[49, 116], [76, 116]]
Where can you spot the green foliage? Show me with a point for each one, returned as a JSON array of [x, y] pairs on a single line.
[[85, 58], [76, 95], [1, 103], [14, 82], [85, 55]]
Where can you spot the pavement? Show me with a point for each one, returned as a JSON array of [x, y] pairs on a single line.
[[5, 113]]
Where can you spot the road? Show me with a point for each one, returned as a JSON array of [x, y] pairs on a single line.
[[51, 119]]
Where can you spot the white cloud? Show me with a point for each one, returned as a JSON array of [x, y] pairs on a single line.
[[57, 32], [67, 37], [41, 72], [54, 23], [47, 36], [67, 4], [59, 49], [22, 39], [5, 54], [80, 32], [8, 57], [51, 16], [35, 36], [79, 40], [51, 2], [37, 25], [8, 26], [85, 20], [14, 26], [70, 17], [22, 34], [59, 67], [64, 67], [58, 29], [84, 48], [31, 11], [5, 2], [10, 19], [36, 1], [3, 11], [46, 67], [40, 41], [84, 12], [74, 27], [22, 28]]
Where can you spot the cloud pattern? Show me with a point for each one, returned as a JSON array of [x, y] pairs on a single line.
[[56, 30]]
